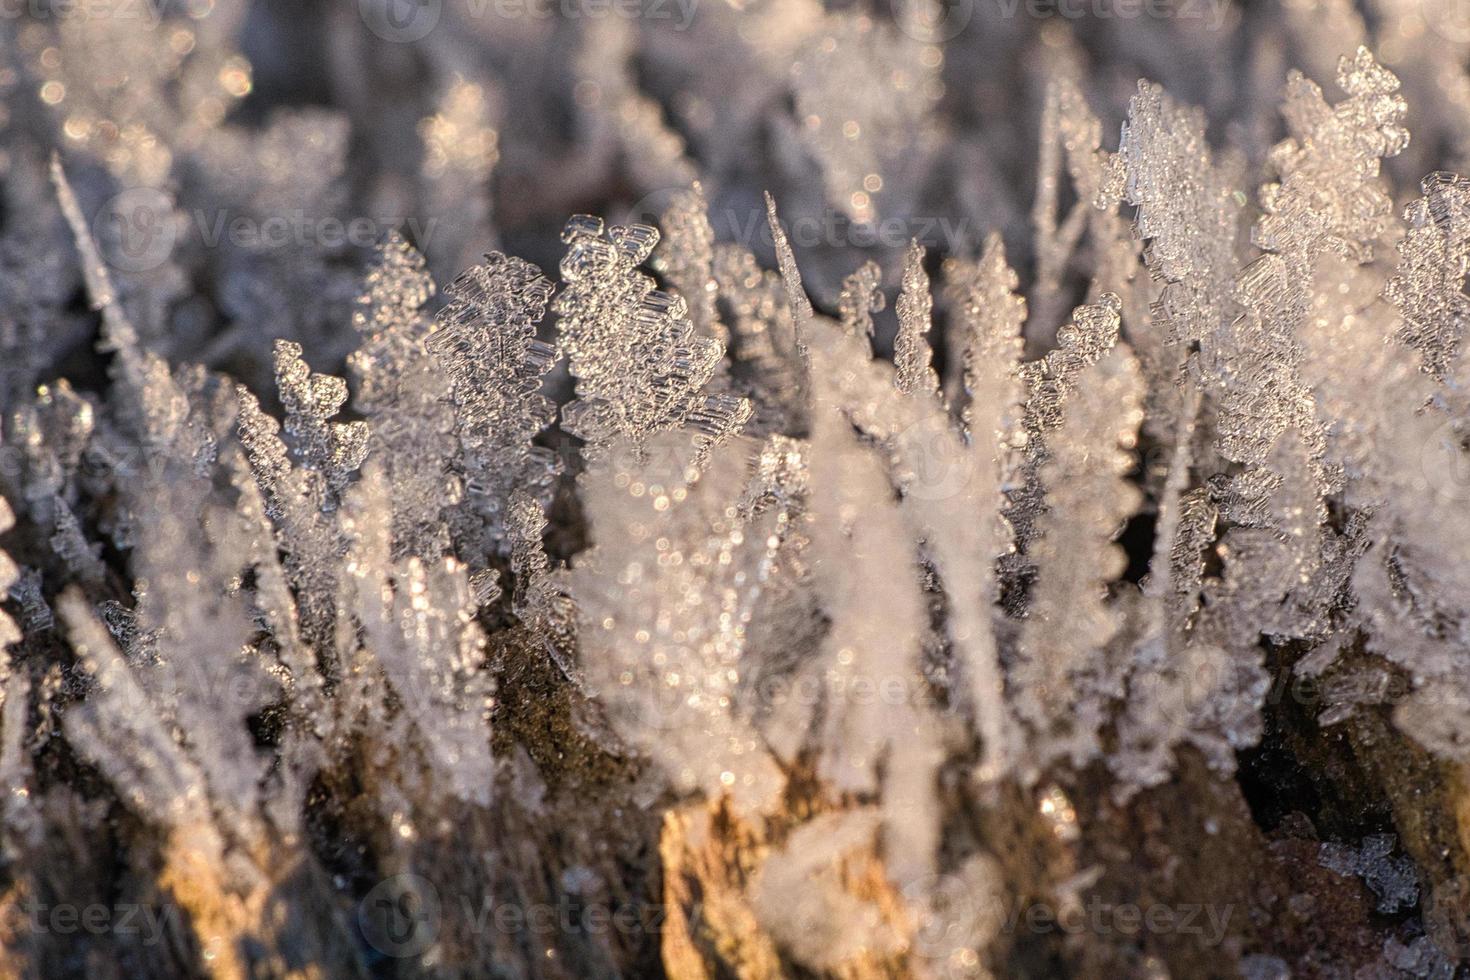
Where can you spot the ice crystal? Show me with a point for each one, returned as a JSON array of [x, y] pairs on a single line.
[[211, 686], [670, 663], [639, 366], [911, 352], [1187, 212], [333, 449], [853, 524], [763, 337], [861, 298], [486, 346], [406, 399], [1071, 138], [298, 504], [418, 620], [154, 406], [461, 147], [1049, 383], [537, 600], [686, 255], [815, 851], [9, 575], [1391, 879], [119, 730], [991, 319], [1062, 677], [1427, 289]]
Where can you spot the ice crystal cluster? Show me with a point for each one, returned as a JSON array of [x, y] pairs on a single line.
[[830, 603]]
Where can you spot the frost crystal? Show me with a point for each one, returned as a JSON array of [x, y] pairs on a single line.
[[333, 449], [1049, 383], [9, 575], [1187, 212], [687, 255], [991, 319], [1061, 676], [1428, 287], [862, 296], [911, 353], [461, 148], [403, 393], [486, 346], [858, 550], [418, 619], [640, 368], [120, 731], [1391, 879], [663, 601]]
